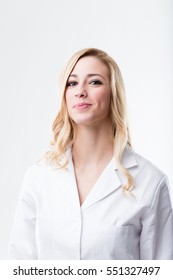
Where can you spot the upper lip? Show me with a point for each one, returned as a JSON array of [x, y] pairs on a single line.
[[81, 104]]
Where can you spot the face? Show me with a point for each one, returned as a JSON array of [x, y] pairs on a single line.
[[88, 92]]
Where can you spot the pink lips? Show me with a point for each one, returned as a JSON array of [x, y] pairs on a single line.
[[82, 105]]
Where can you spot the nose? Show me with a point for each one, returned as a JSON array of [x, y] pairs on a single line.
[[81, 92]]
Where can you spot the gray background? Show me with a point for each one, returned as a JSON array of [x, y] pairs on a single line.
[[37, 37]]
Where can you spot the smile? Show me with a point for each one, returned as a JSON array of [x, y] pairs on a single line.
[[81, 106]]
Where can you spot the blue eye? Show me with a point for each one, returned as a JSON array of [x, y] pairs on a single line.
[[95, 82], [71, 84]]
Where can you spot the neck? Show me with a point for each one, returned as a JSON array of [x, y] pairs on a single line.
[[92, 145]]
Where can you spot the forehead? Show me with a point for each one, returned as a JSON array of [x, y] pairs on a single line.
[[90, 64]]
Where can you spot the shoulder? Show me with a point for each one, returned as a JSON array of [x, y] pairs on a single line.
[[147, 168], [136, 163], [39, 174], [36, 170], [148, 178], [150, 183]]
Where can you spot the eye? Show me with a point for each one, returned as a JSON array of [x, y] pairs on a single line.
[[95, 82], [71, 83]]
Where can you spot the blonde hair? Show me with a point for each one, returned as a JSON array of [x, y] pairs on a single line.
[[63, 128]]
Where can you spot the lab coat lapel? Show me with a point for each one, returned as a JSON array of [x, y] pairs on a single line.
[[109, 181], [106, 184]]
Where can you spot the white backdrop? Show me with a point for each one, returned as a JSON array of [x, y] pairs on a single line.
[[37, 37]]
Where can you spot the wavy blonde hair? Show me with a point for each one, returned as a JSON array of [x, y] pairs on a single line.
[[63, 128]]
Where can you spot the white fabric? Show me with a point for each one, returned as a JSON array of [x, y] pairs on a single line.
[[50, 224]]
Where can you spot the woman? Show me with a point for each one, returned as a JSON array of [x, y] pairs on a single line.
[[93, 197]]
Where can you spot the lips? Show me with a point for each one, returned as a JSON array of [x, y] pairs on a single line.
[[82, 105]]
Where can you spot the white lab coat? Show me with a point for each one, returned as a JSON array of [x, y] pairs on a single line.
[[50, 224]]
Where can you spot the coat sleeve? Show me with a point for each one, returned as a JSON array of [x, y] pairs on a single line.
[[156, 241], [22, 244]]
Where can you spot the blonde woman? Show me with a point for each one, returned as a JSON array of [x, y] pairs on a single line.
[[93, 197]]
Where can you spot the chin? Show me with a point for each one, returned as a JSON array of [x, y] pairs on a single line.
[[83, 121]]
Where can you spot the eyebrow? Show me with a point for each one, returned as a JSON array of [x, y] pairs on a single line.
[[89, 75]]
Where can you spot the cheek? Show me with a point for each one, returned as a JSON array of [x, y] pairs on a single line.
[[103, 98]]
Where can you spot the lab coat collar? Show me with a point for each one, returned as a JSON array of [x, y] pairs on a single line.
[[128, 158], [108, 182]]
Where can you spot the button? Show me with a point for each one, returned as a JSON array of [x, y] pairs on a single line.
[[76, 221]]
